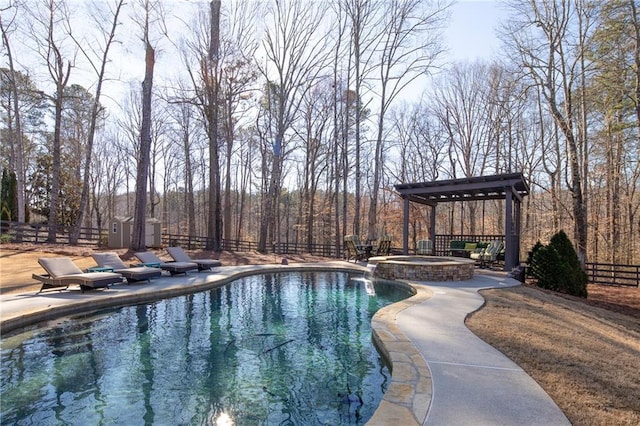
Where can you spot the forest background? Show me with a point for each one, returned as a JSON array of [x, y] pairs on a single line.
[[290, 121]]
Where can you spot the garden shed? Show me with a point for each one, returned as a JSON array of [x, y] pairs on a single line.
[[121, 228]]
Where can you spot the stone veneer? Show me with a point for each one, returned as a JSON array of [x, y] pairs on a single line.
[[408, 396], [423, 268]]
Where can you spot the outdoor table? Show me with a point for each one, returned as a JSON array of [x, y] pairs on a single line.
[[150, 264], [367, 248], [100, 269]]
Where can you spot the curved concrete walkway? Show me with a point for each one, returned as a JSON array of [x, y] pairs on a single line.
[[473, 383]]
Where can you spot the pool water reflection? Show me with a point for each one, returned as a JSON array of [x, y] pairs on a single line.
[[288, 348]]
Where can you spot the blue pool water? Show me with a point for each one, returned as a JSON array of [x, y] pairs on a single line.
[[286, 349]]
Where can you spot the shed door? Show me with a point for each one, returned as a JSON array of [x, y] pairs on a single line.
[[149, 239]]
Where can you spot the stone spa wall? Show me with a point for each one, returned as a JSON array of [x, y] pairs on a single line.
[[423, 268]]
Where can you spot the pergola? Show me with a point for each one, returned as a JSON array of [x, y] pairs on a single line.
[[510, 187]]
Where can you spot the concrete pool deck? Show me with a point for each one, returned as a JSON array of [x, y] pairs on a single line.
[[442, 374]]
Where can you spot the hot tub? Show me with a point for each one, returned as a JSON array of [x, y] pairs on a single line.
[[422, 268]]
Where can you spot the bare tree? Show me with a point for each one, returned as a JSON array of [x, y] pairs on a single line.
[[295, 54], [461, 104], [151, 12], [51, 48], [237, 77], [212, 75], [205, 78], [408, 49], [183, 114], [338, 156], [544, 40], [108, 175], [98, 60], [314, 123], [18, 158], [365, 20]]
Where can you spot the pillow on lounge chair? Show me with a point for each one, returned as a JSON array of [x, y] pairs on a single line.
[[109, 260], [59, 266], [470, 246]]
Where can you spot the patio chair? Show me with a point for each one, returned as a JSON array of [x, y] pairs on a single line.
[[424, 247], [112, 261], [384, 246], [61, 272], [456, 248], [479, 251], [179, 255], [150, 259], [352, 243], [491, 253]]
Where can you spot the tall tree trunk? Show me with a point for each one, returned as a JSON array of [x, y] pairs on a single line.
[[214, 225], [84, 197], [189, 197], [56, 157], [18, 163], [378, 166], [226, 223], [139, 219], [267, 223]]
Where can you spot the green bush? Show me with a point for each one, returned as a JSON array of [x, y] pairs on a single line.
[[546, 267], [533, 251], [556, 266], [576, 277]]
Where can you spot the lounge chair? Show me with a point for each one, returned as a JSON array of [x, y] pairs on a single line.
[[384, 246], [424, 247], [132, 274], [150, 259], [179, 255], [354, 250], [61, 272], [479, 251], [492, 251]]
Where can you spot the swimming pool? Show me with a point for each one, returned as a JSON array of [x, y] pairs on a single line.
[[287, 348]]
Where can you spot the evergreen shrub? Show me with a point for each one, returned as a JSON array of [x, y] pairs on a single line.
[[556, 266]]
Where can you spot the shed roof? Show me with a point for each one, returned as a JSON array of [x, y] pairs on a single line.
[[492, 187]]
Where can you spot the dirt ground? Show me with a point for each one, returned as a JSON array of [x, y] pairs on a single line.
[[584, 353]]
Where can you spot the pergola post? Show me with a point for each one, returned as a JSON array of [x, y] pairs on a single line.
[[405, 226], [517, 230], [432, 229], [508, 231]]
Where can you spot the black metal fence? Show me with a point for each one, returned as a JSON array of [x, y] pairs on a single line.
[[613, 274], [38, 233], [199, 243], [598, 273], [443, 241]]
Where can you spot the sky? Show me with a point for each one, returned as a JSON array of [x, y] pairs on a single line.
[[471, 33], [469, 36]]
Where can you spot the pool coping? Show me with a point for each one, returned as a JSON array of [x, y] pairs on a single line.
[[406, 400]]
